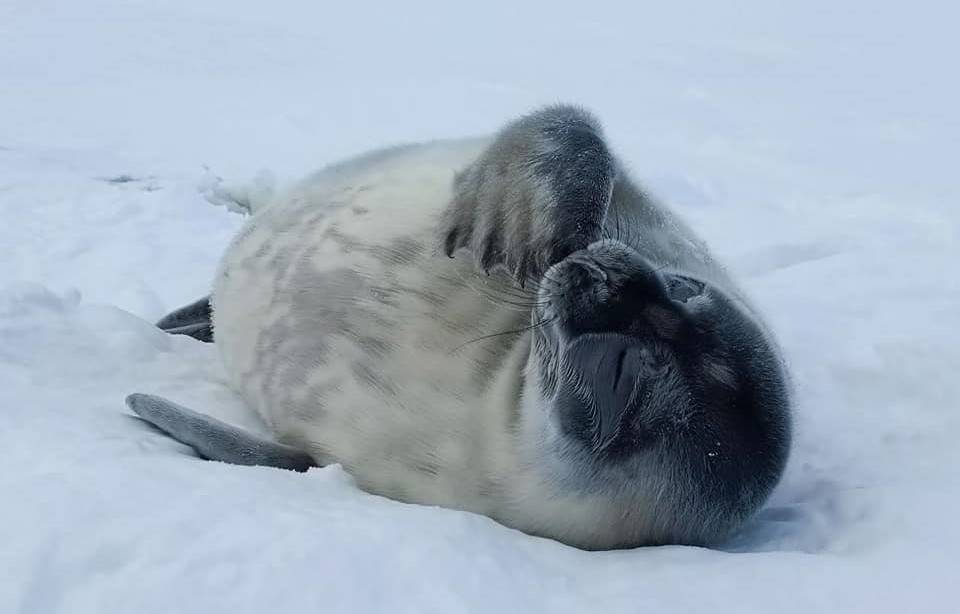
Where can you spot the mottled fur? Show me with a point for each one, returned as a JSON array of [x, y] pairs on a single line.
[[626, 397]]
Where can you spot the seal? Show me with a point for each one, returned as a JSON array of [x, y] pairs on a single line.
[[506, 325]]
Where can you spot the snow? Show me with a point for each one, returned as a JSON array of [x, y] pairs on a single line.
[[813, 145]]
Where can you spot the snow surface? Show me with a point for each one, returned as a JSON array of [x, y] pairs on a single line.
[[815, 147]]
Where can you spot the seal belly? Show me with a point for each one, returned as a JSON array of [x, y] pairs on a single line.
[[340, 322]]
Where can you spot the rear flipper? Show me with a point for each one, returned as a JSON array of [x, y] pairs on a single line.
[[193, 320], [201, 331], [216, 440]]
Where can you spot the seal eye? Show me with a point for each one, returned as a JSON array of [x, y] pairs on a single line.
[[682, 289], [652, 363]]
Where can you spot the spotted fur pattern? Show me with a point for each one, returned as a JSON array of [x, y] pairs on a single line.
[[342, 318]]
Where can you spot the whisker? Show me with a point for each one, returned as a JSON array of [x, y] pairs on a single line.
[[506, 332], [519, 302]]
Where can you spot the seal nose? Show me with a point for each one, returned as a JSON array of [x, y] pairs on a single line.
[[593, 291], [575, 288], [583, 274]]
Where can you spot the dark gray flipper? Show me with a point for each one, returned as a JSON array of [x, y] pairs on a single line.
[[201, 331], [194, 320], [216, 440], [539, 192]]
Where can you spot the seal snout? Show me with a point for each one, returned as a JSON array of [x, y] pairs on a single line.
[[600, 289]]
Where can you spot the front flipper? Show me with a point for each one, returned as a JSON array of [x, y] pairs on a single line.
[[216, 440], [539, 192], [193, 320]]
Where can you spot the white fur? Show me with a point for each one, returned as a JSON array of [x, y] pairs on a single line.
[[301, 302], [442, 422]]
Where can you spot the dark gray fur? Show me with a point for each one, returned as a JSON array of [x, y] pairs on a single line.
[[548, 186], [640, 322], [216, 440], [538, 193]]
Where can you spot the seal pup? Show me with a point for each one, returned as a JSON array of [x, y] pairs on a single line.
[[509, 326]]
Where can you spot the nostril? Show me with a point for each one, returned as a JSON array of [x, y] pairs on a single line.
[[583, 276], [590, 268]]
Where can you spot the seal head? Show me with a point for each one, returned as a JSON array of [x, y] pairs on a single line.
[[660, 388]]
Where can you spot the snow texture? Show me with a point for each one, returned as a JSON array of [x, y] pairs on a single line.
[[813, 144]]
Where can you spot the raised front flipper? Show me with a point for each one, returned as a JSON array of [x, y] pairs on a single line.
[[539, 192], [216, 440]]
